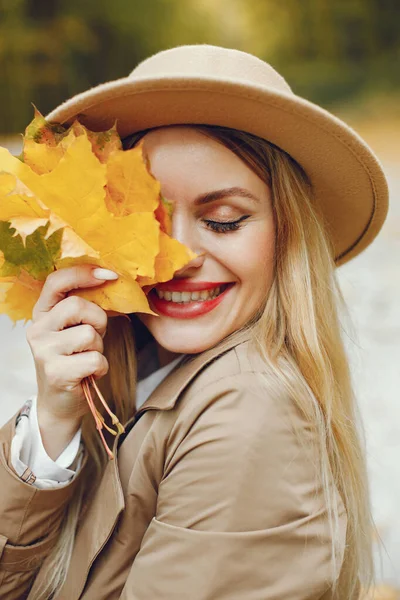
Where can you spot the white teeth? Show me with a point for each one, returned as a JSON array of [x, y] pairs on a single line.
[[182, 297]]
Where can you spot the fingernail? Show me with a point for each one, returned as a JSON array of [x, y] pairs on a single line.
[[104, 274]]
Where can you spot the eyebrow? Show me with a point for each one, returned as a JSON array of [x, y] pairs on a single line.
[[225, 193]]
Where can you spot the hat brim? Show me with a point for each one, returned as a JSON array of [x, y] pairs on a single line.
[[347, 178]]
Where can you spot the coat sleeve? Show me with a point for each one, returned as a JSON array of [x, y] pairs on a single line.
[[240, 512], [30, 520]]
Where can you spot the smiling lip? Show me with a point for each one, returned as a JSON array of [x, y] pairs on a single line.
[[187, 310]]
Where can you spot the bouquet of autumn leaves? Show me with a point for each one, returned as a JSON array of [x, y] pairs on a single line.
[[75, 196]]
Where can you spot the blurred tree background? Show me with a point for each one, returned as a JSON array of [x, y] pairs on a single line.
[[342, 54], [330, 52]]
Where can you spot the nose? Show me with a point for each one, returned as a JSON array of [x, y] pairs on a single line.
[[184, 230]]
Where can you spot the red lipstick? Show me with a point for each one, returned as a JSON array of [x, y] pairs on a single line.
[[187, 310]]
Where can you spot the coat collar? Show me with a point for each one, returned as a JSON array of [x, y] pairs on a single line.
[[165, 395]]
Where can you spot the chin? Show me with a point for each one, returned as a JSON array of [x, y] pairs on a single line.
[[181, 338], [188, 345]]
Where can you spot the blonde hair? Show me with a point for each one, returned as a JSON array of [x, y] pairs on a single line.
[[298, 333]]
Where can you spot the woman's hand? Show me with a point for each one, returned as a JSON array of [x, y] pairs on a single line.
[[66, 340]]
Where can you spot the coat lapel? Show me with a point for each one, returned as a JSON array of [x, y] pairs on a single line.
[[165, 395]]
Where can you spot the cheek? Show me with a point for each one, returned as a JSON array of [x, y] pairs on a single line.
[[251, 256]]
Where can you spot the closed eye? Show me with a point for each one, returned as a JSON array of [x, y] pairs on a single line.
[[225, 226]]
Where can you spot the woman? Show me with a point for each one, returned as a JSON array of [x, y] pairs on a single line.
[[240, 475]]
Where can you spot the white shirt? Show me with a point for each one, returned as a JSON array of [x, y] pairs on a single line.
[[27, 450]]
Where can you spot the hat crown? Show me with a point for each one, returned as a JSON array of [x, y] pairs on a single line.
[[203, 60]]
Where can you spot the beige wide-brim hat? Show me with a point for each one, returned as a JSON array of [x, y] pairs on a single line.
[[202, 84]]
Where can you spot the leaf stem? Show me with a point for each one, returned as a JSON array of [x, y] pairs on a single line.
[[114, 418], [97, 417]]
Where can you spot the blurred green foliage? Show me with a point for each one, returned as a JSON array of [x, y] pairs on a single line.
[[329, 51]]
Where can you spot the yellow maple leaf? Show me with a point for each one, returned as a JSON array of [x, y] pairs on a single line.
[[123, 296], [4, 288], [130, 186], [43, 158], [75, 193], [45, 143], [104, 143], [79, 198], [72, 247], [164, 215], [165, 262], [18, 296], [25, 213], [74, 189], [20, 207]]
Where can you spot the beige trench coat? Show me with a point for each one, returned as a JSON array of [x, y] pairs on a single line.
[[212, 497]]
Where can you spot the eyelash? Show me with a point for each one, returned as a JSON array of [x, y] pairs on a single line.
[[221, 227]]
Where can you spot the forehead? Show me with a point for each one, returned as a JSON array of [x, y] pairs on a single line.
[[183, 140], [186, 160]]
